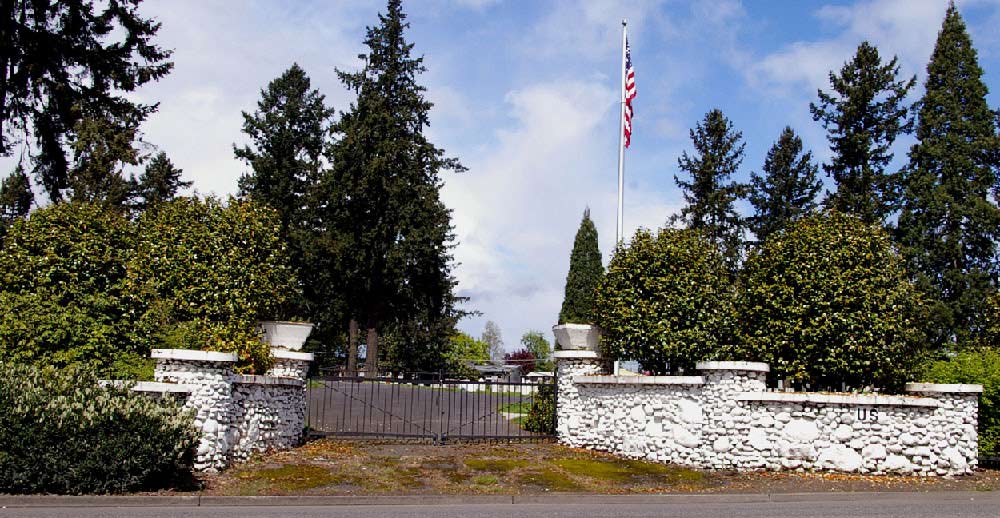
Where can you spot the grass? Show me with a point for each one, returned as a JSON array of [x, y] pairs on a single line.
[[495, 465], [621, 470], [521, 407], [485, 480], [549, 480], [291, 477]]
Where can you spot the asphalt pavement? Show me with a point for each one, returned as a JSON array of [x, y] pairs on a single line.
[[839, 505]]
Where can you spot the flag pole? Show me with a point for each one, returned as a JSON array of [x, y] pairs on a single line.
[[621, 140]]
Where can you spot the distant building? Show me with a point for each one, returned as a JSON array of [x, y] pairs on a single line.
[[501, 373]]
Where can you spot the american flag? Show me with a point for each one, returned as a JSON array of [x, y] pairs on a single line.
[[629, 93]]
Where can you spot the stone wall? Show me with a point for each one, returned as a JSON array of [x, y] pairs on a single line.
[[726, 419], [237, 415]]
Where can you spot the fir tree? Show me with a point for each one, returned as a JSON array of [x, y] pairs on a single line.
[[710, 197], [949, 224], [288, 133], [16, 198], [160, 182], [383, 192], [102, 146], [788, 188], [65, 60], [585, 271], [863, 116]]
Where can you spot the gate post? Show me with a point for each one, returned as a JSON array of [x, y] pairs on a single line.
[[568, 407]]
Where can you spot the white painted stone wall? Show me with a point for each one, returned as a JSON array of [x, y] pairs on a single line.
[[725, 419], [237, 415]]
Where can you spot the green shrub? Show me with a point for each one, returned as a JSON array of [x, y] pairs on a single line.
[[666, 301], [62, 274], [203, 274], [541, 417], [981, 367], [62, 433], [827, 302]]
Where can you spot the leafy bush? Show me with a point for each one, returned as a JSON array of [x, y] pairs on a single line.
[[981, 367], [827, 302], [542, 415], [205, 273], [666, 301], [62, 274], [62, 433]]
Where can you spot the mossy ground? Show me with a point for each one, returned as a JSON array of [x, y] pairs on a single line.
[[330, 467]]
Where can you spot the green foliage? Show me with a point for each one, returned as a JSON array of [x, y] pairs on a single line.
[[666, 301], [464, 351], [102, 146], [159, 183], [62, 433], [827, 302], [585, 271], [787, 190], [62, 274], [710, 209], [949, 224], [979, 366], [16, 198], [862, 116], [64, 60], [542, 416], [540, 348], [204, 273], [382, 199]]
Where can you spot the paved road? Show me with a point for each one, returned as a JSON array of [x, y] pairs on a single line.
[[923, 505], [406, 409]]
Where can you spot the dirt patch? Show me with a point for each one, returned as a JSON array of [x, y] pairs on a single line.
[[331, 467]]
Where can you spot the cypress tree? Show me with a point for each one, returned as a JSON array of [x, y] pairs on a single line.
[[585, 271], [949, 224], [788, 188], [863, 116], [711, 199], [384, 200]]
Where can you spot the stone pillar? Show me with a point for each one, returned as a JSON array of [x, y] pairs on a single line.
[[568, 405], [290, 364], [727, 421], [209, 375]]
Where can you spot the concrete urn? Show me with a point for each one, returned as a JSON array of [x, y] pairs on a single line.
[[287, 335], [577, 337]]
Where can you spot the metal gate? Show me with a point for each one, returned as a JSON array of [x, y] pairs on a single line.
[[438, 410]]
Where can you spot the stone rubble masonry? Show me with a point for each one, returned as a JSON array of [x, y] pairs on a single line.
[[236, 414], [726, 419]]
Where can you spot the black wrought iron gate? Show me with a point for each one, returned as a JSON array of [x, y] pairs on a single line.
[[438, 410]]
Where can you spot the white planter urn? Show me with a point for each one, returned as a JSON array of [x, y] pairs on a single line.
[[577, 337], [288, 335]]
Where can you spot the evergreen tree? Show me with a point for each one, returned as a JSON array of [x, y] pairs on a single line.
[[585, 271], [159, 183], [788, 188], [102, 146], [67, 59], [383, 192], [863, 116], [949, 224], [288, 133], [711, 199], [16, 198]]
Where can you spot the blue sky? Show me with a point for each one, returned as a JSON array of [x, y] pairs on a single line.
[[526, 94]]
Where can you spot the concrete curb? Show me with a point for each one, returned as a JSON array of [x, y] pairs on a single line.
[[41, 501]]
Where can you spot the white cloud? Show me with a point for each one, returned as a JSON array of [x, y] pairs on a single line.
[[518, 208]]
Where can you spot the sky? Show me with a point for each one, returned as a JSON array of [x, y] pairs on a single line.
[[526, 93]]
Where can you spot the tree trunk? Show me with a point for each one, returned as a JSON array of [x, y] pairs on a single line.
[[352, 348], [371, 356]]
